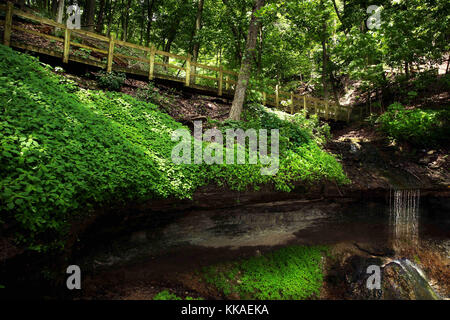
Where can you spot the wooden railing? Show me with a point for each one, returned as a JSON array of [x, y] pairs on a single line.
[[111, 54]]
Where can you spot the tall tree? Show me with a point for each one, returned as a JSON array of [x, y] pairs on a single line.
[[246, 64], [126, 20], [174, 26], [324, 51], [100, 16], [60, 11], [198, 26], [150, 6], [90, 15]]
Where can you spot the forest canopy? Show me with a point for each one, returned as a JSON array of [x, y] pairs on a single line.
[[320, 43]]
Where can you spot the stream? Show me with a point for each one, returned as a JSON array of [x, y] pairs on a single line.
[[190, 240]]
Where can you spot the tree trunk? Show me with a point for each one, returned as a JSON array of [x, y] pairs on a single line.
[[246, 65], [172, 32], [60, 11], [150, 20], [198, 26], [196, 46], [324, 65], [101, 15], [90, 15], [54, 8], [126, 20], [260, 49], [141, 37], [110, 17]]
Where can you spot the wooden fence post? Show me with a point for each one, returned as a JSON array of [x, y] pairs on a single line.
[[326, 110], [292, 102], [152, 63], [304, 102], [8, 24], [277, 97], [315, 106], [66, 45], [220, 80], [110, 54], [188, 71], [227, 84]]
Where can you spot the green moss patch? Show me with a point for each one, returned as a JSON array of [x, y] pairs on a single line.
[[293, 272]]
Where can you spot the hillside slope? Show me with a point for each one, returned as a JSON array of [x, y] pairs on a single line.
[[67, 151]]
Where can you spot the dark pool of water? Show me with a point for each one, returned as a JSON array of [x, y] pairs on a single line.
[[308, 223]]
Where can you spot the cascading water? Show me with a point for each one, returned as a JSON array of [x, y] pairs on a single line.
[[404, 216], [409, 280]]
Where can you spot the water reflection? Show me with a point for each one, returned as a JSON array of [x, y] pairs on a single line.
[[393, 224]]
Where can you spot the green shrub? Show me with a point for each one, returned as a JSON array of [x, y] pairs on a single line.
[[66, 151], [420, 127], [290, 273], [111, 80]]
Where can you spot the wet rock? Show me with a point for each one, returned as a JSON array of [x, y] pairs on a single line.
[[400, 280], [356, 275], [403, 281], [376, 250]]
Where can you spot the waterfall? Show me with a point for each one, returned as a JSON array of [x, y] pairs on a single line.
[[419, 283], [404, 216]]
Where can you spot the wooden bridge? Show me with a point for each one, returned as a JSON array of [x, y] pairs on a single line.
[[47, 37]]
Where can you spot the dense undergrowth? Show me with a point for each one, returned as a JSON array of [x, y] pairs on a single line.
[[421, 127], [66, 151], [290, 273]]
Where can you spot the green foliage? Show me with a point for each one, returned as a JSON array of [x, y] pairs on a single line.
[[166, 295], [290, 273], [111, 80], [421, 127], [66, 151], [295, 130], [290, 52], [301, 158]]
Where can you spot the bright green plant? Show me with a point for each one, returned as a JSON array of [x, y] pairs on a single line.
[[294, 272], [66, 151], [166, 295], [421, 127]]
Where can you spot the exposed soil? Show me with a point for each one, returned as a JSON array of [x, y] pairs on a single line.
[[371, 161]]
